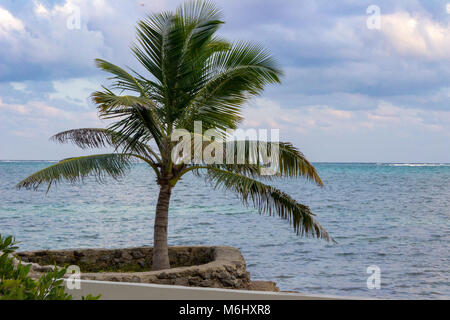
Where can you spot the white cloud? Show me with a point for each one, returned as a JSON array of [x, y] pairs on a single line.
[[40, 9], [76, 90], [387, 133], [14, 108], [40, 118], [265, 113], [9, 23], [43, 38], [19, 86], [417, 35]]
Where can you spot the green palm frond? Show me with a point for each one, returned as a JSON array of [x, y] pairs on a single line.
[[86, 137], [106, 100], [232, 77], [138, 117], [249, 157], [175, 47], [100, 138], [270, 200], [76, 169], [219, 45], [123, 80], [198, 11], [152, 34], [290, 162], [112, 106], [294, 164]]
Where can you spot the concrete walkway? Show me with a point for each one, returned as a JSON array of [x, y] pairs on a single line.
[[142, 291]]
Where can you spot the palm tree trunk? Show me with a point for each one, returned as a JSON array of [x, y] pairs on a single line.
[[160, 248]]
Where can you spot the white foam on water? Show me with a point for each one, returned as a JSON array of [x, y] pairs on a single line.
[[417, 164]]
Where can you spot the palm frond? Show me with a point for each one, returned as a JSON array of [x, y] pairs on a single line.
[[86, 137], [76, 169], [251, 157], [107, 100], [139, 118], [289, 163], [149, 49], [269, 200], [294, 164], [232, 77], [100, 138], [123, 80]]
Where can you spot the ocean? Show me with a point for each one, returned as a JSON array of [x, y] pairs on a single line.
[[394, 217]]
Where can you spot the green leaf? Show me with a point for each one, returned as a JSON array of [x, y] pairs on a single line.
[[76, 169], [270, 200]]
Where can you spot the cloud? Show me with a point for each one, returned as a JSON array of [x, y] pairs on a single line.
[[75, 90], [415, 35], [18, 109], [388, 133], [61, 41], [39, 118], [266, 113], [40, 10], [19, 86], [27, 127], [9, 24]]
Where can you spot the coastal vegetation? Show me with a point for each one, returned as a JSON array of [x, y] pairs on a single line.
[[16, 282], [191, 74]]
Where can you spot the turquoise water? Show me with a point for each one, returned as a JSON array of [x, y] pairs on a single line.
[[393, 216]]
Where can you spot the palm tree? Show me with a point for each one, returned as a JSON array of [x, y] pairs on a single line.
[[194, 75]]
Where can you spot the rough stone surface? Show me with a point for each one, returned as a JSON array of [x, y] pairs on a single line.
[[215, 267], [263, 286], [35, 270]]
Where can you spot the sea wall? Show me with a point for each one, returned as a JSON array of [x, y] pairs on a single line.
[[198, 266]]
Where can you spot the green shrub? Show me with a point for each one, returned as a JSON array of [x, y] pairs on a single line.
[[16, 283]]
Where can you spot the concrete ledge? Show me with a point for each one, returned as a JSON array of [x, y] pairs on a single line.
[[141, 291]]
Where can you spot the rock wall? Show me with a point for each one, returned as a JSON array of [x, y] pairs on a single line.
[[112, 260], [216, 267]]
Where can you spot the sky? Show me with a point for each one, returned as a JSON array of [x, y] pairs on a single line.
[[358, 86]]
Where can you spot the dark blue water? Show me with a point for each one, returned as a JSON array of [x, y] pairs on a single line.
[[393, 216]]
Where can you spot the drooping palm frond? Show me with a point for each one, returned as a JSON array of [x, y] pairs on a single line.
[[294, 164], [76, 169], [270, 200], [100, 138], [250, 157], [86, 137], [283, 157]]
